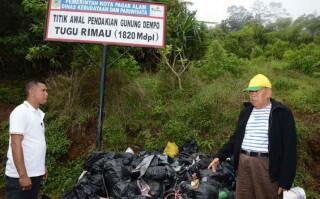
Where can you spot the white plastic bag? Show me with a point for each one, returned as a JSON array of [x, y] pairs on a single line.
[[294, 193]]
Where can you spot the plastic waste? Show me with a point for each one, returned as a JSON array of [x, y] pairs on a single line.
[[294, 193], [171, 149]]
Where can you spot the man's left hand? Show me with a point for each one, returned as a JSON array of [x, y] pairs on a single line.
[[281, 190]]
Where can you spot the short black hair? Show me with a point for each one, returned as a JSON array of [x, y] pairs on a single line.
[[31, 84]]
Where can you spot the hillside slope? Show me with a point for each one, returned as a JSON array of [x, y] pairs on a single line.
[[147, 110]]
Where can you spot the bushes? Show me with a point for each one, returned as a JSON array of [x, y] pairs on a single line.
[[114, 134], [11, 94], [62, 177], [306, 99], [129, 64], [4, 141], [276, 49], [284, 84], [305, 59], [200, 115], [70, 95], [218, 61], [243, 41], [157, 114], [57, 140], [4, 138], [257, 51], [176, 131], [57, 146]]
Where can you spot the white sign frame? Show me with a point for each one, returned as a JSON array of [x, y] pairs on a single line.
[[111, 22]]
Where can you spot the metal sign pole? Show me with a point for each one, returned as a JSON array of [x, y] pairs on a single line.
[[103, 68]]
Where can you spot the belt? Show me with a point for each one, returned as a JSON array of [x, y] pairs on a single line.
[[255, 154]]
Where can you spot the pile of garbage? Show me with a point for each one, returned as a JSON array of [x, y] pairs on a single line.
[[154, 175]]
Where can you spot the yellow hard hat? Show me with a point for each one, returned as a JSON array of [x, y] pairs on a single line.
[[258, 82]]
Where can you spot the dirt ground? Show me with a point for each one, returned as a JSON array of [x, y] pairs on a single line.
[[5, 111], [82, 140]]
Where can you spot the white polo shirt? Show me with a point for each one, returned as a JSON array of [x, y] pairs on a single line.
[[28, 121]]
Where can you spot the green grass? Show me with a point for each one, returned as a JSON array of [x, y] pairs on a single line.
[[62, 177]]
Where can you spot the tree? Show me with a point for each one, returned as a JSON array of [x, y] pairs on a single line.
[[175, 60], [243, 41], [219, 61], [182, 31], [265, 14], [238, 17], [277, 11], [279, 24], [13, 38]]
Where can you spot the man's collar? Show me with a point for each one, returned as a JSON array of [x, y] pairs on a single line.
[[29, 106], [274, 104]]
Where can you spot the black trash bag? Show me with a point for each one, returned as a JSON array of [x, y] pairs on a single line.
[[156, 189], [73, 194], [159, 173], [204, 161], [208, 176], [163, 160], [93, 184], [127, 158], [81, 194], [225, 175], [94, 163], [70, 195], [126, 172], [125, 189], [204, 191], [90, 186], [143, 166], [159, 159], [231, 195], [189, 147], [138, 158], [186, 172], [185, 160], [135, 197], [114, 172]]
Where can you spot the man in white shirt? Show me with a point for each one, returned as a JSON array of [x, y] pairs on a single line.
[[25, 167]]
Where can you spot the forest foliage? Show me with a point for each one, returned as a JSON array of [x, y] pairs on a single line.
[[190, 89]]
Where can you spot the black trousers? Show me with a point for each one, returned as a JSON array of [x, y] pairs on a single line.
[[13, 189]]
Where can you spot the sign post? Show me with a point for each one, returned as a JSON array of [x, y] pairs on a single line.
[[106, 22], [103, 67]]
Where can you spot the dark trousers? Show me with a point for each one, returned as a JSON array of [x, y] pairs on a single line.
[[13, 189]]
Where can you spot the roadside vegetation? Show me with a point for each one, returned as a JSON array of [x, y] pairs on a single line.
[[190, 89]]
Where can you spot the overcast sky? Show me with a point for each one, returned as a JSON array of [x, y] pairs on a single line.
[[216, 10]]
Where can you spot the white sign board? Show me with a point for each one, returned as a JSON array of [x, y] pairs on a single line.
[[125, 23]]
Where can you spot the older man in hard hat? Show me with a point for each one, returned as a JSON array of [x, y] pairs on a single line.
[[263, 145]]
